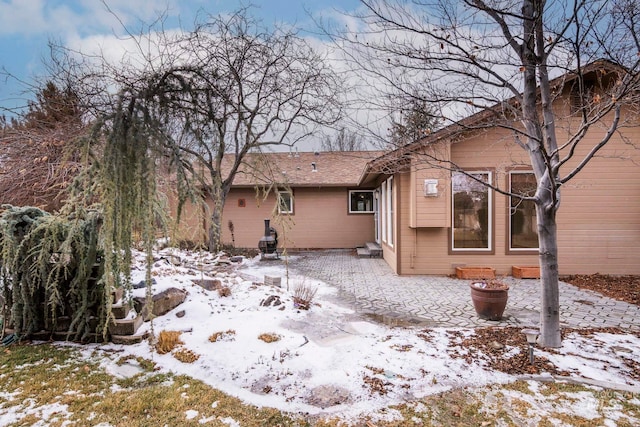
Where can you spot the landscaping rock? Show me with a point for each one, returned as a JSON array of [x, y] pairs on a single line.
[[163, 302], [325, 396], [271, 301], [209, 284]]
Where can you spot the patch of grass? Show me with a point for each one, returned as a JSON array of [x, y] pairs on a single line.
[[269, 337], [43, 376], [49, 374], [146, 364], [222, 335], [167, 341], [185, 355]]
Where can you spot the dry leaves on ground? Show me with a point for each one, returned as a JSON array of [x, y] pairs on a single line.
[[622, 288]]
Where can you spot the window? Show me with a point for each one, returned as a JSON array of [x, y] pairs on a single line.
[[389, 215], [383, 210], [472, 225], [360, 201], [285, 202], [523, 228], [386, 214]]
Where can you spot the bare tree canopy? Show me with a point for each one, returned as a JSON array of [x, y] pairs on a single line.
[[343, 140], [483, 64], [199, 101], [37, 164]]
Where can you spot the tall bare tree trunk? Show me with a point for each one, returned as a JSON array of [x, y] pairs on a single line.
[[550, 295], [215, 228]]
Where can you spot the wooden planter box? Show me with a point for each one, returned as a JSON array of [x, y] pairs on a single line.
[[475, 273], [525, 272]]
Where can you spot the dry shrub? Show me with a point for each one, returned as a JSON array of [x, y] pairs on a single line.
[[224, 291], [222, 335], [167, 341], [303, 295], [185, 355], [269, 337]]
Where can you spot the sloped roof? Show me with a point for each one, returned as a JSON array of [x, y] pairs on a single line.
[[332, 168], [386, 163]]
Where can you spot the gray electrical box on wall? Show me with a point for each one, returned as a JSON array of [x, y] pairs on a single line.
[[430, 187]]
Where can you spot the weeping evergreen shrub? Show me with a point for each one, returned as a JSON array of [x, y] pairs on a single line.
[[51, 266]]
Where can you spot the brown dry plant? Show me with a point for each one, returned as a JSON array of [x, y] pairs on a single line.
[[303, 295], [167, 341], [222, 335], [185, 355], [269, 337]]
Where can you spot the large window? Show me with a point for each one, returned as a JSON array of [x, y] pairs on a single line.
[[472, 224], [523, 229], [285, 202], [361, 201]]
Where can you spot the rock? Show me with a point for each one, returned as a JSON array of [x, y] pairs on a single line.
[[175, 260], [236, 259], [271, 301], [163, 302], [620, 349], [180, 314], [142, 283], [209, 284], [325, 396], [496, 345]]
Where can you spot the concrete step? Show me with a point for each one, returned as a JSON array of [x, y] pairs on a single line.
[[120, 310], [374, 249], [125, 326], [370, 250], [363, 253]]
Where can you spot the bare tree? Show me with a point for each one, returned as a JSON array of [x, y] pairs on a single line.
[[203, 99], [496, 61], [343, 140], [37, 164]]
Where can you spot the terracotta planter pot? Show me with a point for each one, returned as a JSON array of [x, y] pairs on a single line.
[[490, 301]]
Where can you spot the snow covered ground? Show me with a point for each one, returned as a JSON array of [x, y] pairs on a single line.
[[328, 360], [331, 361]]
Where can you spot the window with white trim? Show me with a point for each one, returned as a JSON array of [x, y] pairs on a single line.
[[383, 210], [386, 211], [360, 201], [523, 224], [389, 211], [472, 211], [285, 202]]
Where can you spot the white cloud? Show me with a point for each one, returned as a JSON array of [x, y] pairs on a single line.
[[22, 17], [64, 19]]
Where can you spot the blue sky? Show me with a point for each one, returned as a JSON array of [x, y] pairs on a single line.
[[26, 26]]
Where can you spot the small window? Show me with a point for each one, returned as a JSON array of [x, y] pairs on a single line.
[[285, 202], [361, 201]]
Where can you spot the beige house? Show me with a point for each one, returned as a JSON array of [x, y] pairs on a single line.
[[430, 220], [434, 219], [322, 202]]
